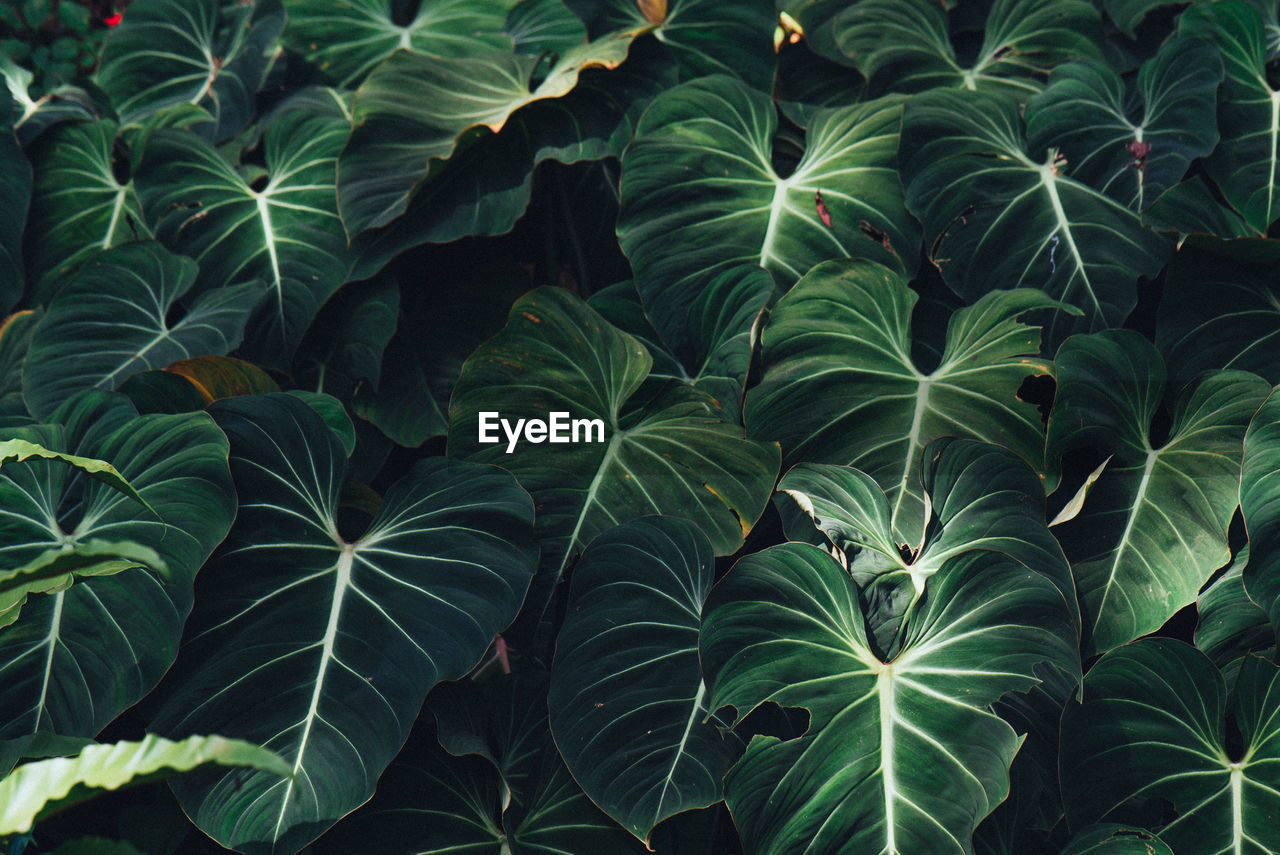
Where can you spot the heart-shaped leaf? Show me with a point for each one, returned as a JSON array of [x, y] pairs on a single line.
[[286, 232], [1245, 164], [322, 648], [112, 321], [665, 452], [348, 39], [1260, 504], [628, 703], [1154, 526], [840, 385], [77, 658], [978, 496], [998, 214], [902, 756], [1133, 142], [214, 53], [80, 206], [700, 194], [906, 45], [1154, 724]]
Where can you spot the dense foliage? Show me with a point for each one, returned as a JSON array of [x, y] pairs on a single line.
[[937, 503]]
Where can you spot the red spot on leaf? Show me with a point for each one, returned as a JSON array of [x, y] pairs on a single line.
[[822, 209], [113, 19]]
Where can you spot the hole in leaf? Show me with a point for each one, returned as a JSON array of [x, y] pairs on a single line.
[[1039, 389], [403, 12]]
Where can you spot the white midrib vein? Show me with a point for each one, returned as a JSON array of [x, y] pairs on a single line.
[[923, 387], [1237, 808], [269, 238], [1152, 456], [55, 623], [884, 688], [609, 453], [341, 582], [780, 188], [1275, 153], [115, 216], [684, 740], [1050, 182]]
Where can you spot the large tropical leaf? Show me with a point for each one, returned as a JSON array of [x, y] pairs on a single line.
[[1260, 504], [1154, 725], [81, 205], [906, 45], [286, 232], [1154, 526], [902, 756], [664, 452], [1246, 166], [348, 39], [211, 53], [840, 385], [77, 658], [112, 321], [700, 193], [415, 111], [1131, 142], [977, 496], [707, 36], [998, 214], [1230, 623], [15, 190], [1221, 308], [319, 647], [628, 702], [39, 788]]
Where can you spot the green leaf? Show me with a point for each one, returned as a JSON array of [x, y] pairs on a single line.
[[414, 111], [700, 194], [1221, 308], [1134, 142], [111, 321], [36, 789], [1153, 724], [15, 191], [1245, 164], [628, 703], [346, 341], [212, 53], [709, 37], [1128, 14], [997, 214], [840, 385], [1231, 624], [538, 26], [15, 340], [77, 658], [977, 496], [1113, 839], [19, 450], [286, 233], [58, 569], [346, 40], [906, 45], [347, 634], [1190, 208], [716, 344], [1260, 504], [665, 452], [1154, 527], [899, 757], [79, 207]]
